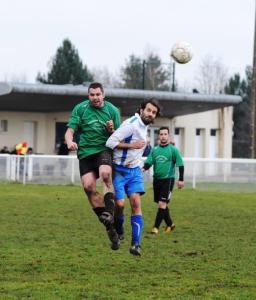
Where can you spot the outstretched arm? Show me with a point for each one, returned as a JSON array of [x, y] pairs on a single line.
[[69, 139]]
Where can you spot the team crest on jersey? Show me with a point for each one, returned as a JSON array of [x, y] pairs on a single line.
[[161, 158], [97, 123]]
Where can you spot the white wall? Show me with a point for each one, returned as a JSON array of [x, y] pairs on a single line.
[[44, 141], [220, 119]]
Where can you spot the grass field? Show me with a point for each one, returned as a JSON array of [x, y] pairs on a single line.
[[246, 187], [52, 247]]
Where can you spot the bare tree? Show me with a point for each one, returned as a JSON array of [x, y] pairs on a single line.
[[212, 76], [157, 74], [103, 75]]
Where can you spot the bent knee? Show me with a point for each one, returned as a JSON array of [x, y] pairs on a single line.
[[136, 206], [106, 176], [120, 203], [89, 187]]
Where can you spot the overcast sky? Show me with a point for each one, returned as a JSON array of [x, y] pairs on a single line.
[[106, 32]]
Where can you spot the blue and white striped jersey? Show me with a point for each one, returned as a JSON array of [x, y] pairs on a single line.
[[131, 130]]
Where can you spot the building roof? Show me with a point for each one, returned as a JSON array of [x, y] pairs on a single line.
[[53, 98]]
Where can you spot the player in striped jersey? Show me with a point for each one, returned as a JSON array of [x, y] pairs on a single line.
[[128, 142]]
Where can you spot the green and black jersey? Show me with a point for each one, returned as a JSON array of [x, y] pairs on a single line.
[[90, 122], [164, 160]]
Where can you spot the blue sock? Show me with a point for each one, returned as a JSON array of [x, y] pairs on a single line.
[[137, 229], [120, 224]]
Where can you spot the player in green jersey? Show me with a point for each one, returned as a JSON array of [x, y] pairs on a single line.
[[164, 158], [95, 120]]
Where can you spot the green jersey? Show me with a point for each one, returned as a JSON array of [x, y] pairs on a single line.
[[90, 122], [164, 160]]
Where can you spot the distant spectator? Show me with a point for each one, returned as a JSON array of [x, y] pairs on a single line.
[[4, 150], [30, 151], [21, 148]]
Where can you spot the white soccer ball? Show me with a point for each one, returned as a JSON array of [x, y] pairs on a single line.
[[182, 52]]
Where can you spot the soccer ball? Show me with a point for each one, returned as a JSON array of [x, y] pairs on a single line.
[[181, 52]]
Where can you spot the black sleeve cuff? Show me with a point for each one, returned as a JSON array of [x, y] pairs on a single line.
[[146, 166], [181, 173]]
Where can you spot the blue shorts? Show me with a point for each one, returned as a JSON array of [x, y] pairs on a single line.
[[127, 181]]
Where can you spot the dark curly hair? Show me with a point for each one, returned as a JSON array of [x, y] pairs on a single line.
[[152, 101]]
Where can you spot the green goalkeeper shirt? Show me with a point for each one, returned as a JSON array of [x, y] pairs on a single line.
[[164, 160], [90, 123]]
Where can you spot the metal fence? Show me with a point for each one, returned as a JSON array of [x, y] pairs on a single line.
[[200, 173]]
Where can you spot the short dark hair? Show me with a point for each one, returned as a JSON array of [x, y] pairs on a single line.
[[164, 128], [95, 85], [152, 101]]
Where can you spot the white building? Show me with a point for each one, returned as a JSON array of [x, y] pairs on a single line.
[[37, 113]]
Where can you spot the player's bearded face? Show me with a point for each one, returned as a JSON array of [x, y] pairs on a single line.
[[164, 137], [96, 97], [148, 114]]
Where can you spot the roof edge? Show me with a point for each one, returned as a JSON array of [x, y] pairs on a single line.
[[5, 88], [80, 90]]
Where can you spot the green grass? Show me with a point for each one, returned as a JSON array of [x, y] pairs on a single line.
[[246, 187], [52, 247]]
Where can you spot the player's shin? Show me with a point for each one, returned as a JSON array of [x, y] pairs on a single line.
[[167, 217], [104, 216], [119, 218], [137, 229], [119, 225], [109, 201], [159, 217], [107, 220]]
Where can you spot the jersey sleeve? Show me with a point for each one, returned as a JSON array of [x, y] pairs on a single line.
[[74, 119], [149, 159], [178, 158], [116, 118], [119, 135]]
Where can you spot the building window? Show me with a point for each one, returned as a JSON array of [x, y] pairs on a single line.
[[156, 136], [198, 131], [213, 132], [177, 131], [153, 135], [3, 125]]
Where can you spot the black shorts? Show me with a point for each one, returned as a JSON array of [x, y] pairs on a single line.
[[162, 189], [93, 162]]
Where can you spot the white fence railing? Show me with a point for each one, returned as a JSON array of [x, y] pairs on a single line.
[[55, 169], [42, 169], [239, 174]]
